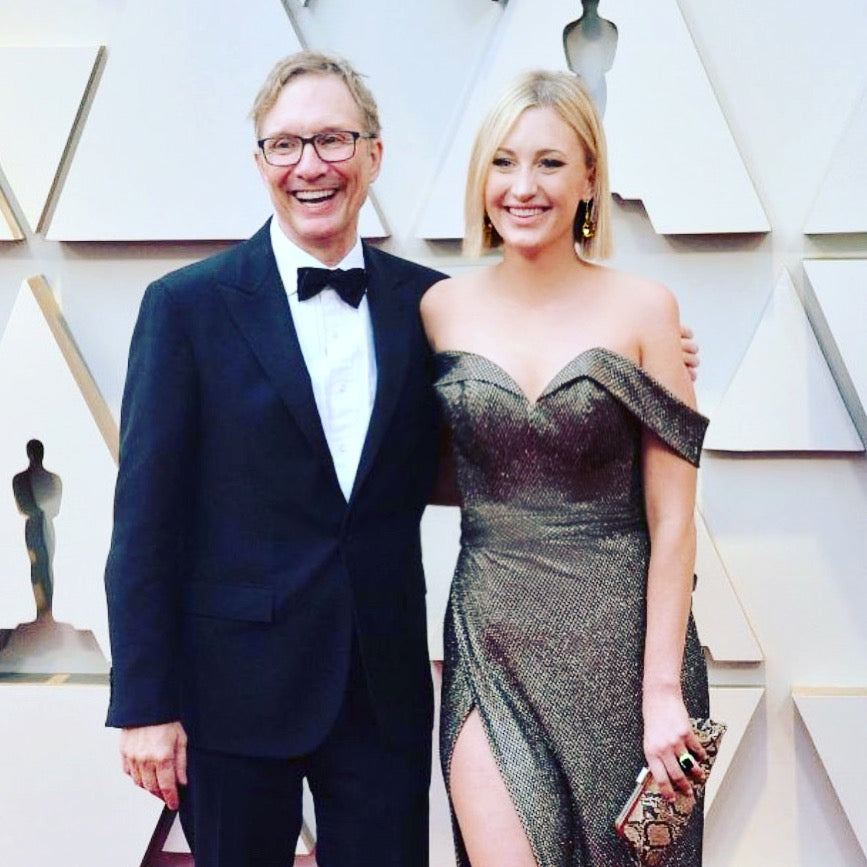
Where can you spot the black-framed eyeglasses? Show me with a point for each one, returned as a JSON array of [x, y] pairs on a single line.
[[333, 146]]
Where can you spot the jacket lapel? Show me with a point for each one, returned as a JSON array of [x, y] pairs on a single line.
[[392, 314], [256, 300]]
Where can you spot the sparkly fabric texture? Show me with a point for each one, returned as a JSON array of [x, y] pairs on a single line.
[[544, 631]]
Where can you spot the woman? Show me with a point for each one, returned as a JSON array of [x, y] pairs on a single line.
[[571, 655]]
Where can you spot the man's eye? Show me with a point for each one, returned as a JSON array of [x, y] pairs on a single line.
[[284, 144], [333, 139]]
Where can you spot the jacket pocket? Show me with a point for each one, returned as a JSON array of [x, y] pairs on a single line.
[[231, 601]]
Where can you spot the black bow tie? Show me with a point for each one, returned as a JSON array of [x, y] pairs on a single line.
[[349, 285]]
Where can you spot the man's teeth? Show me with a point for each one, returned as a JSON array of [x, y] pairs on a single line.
[[314, 195]]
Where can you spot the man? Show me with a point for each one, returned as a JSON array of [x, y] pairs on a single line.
[[278, 446], [266, 596]]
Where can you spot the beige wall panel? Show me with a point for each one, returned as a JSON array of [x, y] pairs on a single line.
[[63, 797], [783, 397], [735, 706], [44, 88], [840, 289], [9, 228], [722, 623], [837, 721], [841, 204], [440, 537]]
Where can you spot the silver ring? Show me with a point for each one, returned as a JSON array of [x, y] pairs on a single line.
[[686, 761]]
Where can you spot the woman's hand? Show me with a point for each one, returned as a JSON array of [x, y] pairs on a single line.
[[668, 735]]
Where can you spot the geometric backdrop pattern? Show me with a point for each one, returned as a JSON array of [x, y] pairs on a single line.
[[44, 90], [9, 228], [182, 137], [837, 721], [693, 181], [783, 396], [836, 210], [839, 287]]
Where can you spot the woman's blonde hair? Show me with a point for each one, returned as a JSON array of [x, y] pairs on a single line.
[[565, 94]]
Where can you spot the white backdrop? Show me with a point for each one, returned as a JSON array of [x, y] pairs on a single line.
[[787, 517]]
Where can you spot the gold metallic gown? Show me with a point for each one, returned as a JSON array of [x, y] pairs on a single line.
[[544, 632]]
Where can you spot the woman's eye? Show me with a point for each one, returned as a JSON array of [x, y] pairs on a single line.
[[551, 163], [502, 162]]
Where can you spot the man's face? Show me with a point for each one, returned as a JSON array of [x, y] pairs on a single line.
[[317, 202]]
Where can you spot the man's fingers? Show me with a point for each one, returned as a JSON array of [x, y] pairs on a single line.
[[134, 774], [149, 781], [181, 761], [167, 784]]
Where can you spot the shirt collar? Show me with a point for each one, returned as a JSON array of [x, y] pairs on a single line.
[[290, 257]]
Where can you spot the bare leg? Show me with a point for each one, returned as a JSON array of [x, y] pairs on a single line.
[[492, 832]]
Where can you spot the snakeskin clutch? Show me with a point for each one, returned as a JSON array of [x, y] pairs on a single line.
[[648, 822]]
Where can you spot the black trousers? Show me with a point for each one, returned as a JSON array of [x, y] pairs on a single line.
[[370, 797]]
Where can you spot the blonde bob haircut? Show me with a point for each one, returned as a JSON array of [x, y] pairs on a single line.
[[565, 94], [315, 63]]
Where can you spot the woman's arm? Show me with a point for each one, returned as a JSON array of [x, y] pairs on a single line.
[[669, 489]]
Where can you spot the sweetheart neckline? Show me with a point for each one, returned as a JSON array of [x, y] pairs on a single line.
[[533, 403]]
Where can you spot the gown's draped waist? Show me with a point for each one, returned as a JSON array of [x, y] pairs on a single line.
[[501, 526]]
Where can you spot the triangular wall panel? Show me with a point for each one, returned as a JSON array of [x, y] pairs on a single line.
[[669, 144], [441, 539], [783, 396], [9, 228], [841, 204], [840, 287], [836, 720], [722, 624], [735, 706], [157, 160], [59, 755], [45, 88], [48, 394]]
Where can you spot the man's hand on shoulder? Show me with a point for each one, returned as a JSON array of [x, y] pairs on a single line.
[[155, 757], [689, 347]]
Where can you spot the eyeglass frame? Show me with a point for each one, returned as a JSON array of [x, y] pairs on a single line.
[[311, 140]]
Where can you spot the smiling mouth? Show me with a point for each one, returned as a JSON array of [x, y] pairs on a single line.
[[525, 212], [314, 197]]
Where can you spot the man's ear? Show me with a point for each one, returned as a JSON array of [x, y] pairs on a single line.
[[375, 146]]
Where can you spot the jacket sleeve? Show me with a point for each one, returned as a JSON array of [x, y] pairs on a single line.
[[152, 501]]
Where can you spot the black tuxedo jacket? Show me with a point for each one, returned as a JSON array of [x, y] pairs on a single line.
[[237, 569]]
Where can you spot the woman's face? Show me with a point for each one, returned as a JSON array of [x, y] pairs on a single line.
[[536, 181]]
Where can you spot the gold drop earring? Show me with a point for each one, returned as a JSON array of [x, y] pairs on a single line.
[[588, 227]]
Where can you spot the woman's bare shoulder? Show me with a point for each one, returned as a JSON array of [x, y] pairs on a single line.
[[452, 294], [650, 302]]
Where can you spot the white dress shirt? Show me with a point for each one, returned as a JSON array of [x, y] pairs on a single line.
[[337, 344]]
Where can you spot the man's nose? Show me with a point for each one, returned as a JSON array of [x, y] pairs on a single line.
[[310, 163]]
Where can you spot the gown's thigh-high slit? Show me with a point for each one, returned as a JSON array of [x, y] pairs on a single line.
[[502, 822], [532, 780]]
